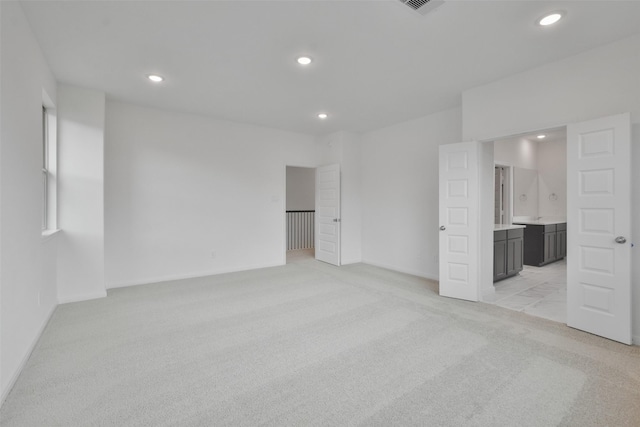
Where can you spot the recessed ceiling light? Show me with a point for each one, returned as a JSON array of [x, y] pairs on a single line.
[[155, 78], [550, 19], [323, 116], [541, 136], [304, 60]]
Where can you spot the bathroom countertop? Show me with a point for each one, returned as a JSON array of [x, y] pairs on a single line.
[[542, 222], [500, 227]]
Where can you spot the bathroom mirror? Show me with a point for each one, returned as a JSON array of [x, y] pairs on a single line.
[[525, 192]]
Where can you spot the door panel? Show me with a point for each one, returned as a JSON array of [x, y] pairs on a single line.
[[598, 206], [514, 256], [499, 260], [518, 254], [459, 218], [328, 214], [561, 244], [549, 247]]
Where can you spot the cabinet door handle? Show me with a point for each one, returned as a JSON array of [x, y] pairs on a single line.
[[621, 240], [442, 228]]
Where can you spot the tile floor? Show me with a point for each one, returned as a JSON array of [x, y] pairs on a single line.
[[538, 291]]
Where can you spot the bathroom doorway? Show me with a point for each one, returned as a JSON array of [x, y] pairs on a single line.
[[531, 191], [598, 209]]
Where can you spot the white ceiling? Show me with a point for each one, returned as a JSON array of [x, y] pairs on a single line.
[[376, 62]]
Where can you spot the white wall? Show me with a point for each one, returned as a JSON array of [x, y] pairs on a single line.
[[596, 83], [27, 261], [301, 189], [187, 195], [352, 197], [522, 154], [81, 193], [552, 178], [344, 148], [400, 192], [549, 159], [519, 152]]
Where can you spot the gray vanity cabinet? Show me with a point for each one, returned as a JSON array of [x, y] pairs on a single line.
[[499, 255], [550, 243], [561, 241], [515, 244], [544, 244], [507, 253]]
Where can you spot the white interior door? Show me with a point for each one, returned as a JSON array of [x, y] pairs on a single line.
[[599, 228], [459, 221], [328, 214]]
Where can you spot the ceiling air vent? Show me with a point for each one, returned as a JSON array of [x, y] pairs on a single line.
[[422, 6]]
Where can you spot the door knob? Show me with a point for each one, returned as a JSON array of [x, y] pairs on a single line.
[[442, 228], [621, 240]]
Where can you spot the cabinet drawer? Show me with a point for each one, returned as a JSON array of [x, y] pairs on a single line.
[[499, 235], [561, 227], [550, 228], [515, 233]]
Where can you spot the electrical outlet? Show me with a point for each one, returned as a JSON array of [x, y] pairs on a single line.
[[38, 299], [436, 259], [213, 254]]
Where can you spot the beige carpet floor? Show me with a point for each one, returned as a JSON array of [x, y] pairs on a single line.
[[311, 344]]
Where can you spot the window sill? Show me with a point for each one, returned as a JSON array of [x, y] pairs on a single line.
[[50, 234]]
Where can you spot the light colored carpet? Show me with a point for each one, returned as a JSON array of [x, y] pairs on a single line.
[[312, 344]]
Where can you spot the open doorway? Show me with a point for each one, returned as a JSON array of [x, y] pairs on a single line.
[[300, 213], [598, 212], [530, 270]]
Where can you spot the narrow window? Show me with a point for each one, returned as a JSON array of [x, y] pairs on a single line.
[[45, 170]]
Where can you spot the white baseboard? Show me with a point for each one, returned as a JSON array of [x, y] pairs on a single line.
[[402, 270], [82, 297], [350, 261], [635, 340], [32, 346], [168, 278]]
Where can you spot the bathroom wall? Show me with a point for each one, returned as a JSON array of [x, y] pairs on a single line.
[[525, 192], [540, 178], [518, 151], [552, 178]]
